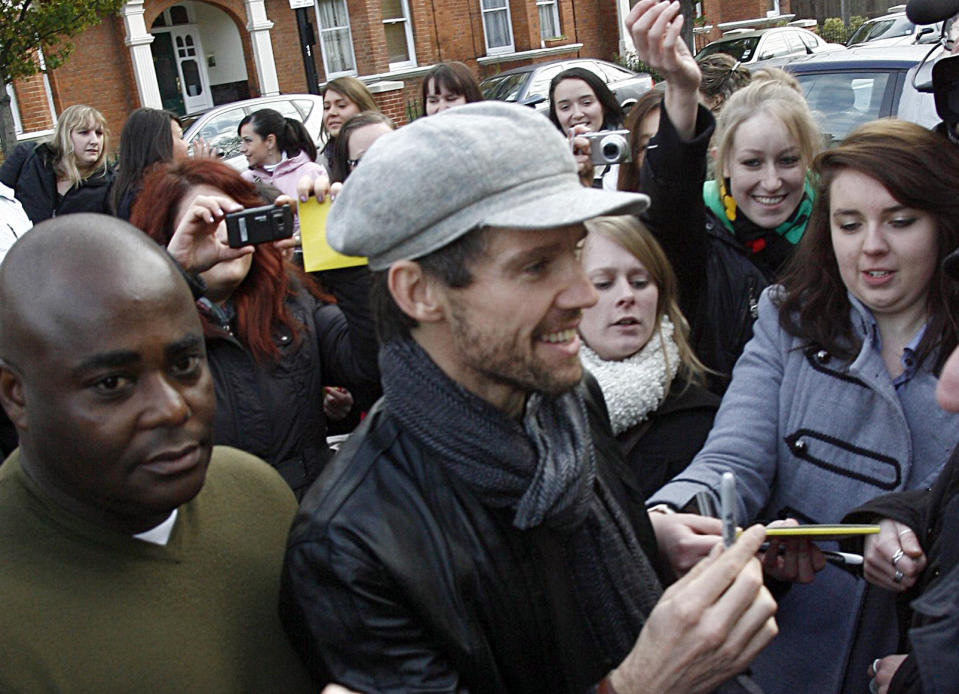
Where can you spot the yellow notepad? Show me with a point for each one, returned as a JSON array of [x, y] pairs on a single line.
[[317, 254]]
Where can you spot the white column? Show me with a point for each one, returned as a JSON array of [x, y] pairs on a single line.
[[259, 27], [625, 40], [139, 40]]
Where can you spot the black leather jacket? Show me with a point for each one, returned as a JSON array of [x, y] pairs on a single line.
[[29, 171], [933, 636], [398, 579], [274, 409]]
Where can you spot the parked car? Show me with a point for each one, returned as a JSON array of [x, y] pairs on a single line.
[[529, 84], [894, 29], [218, 125], [861, 84], [749, 46]]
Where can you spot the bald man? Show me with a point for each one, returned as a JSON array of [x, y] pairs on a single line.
[[133, 555]]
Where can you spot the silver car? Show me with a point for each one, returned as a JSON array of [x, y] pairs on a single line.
[[529, 84], [750, 46], [217, 126]]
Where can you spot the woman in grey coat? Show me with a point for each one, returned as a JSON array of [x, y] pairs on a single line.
[[833, 401]]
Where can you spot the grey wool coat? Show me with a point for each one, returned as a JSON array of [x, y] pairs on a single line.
[[811, 437]]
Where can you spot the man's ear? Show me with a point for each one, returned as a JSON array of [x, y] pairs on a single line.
[[417, 295], [11, 396]]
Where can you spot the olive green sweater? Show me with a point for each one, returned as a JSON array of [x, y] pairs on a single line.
[[86, 609]]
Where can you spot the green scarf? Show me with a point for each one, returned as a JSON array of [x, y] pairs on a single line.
[[724, 207]]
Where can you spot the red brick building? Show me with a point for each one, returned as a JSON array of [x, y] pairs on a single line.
[[186, 55]]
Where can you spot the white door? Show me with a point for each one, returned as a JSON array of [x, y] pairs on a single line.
[[191, 65]]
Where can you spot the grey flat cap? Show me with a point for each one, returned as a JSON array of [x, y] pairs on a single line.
[[484, 164]]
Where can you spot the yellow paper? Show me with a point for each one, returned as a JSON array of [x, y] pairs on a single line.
[[317, 254]]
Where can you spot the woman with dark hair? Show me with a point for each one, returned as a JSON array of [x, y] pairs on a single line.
[[449, 84], [271, 343], [636, 345], [833, 400], [580, 102], [356, 136], [149, 135], [342, 97], [278, 150], [69, 172]]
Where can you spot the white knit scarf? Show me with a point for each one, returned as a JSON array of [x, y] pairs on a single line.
[[636, 386]]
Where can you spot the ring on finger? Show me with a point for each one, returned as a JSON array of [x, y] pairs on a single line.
[[898, 577], [875, 666], [897, 556], [906, 532]]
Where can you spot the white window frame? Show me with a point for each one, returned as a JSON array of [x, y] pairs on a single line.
[[325, 29], [15, 110], [408, 29], [555, 13], [509, 22]]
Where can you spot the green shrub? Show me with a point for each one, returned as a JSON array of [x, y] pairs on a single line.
[[833, 30], [631, 61]]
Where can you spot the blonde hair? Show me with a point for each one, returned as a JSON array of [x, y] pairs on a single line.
[[636, 239], [775, 93], [61, 144]]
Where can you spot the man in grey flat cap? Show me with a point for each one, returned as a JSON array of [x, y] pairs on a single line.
[[480, 531]]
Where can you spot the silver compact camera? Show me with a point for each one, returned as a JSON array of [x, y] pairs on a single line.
[[609, 147]]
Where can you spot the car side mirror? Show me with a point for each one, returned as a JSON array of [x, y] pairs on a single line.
[[533, 100]]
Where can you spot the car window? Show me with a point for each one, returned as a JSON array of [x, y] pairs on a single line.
[[614, 73], [741, 49], [305, 107], [840, 101], [285, 107], [917, 107], [541, 79], [220, 131], [773, 45], [808, 38], [504, 87], [794, 42]]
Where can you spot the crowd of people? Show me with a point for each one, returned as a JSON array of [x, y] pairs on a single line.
[[545, 367]]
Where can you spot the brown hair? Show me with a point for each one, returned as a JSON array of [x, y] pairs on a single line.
[[455, 77], [636, 239], [629, 171], [920, 169]]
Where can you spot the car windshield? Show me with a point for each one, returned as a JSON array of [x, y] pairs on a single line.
[[504, 87], [840, 101], [741, 49], [891, 27]]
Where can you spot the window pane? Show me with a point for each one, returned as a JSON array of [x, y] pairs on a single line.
[[393, 9], [548, 26], [494, 4], [336, 47], [333, 13], [396, 42], [497, 29]]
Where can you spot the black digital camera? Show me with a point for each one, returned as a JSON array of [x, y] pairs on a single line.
[[259, 225]]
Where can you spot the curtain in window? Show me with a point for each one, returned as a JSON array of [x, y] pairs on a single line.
[[335, 35], [496, 24], [548, 26]]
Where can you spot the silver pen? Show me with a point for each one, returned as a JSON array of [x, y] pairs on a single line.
[[727, 500]]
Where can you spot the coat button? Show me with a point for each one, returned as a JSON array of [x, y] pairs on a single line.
[[822, 356], [799, 445]]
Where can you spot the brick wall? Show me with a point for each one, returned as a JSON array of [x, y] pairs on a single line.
[[32, 102]]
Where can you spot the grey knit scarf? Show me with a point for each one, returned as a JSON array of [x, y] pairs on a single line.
[[543, 470]]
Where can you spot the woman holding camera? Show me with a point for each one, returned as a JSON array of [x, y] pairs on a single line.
[[579, 103], [272, 343]]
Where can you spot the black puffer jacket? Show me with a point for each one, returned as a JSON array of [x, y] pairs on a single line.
[[274, 410], [932, 641], [398, 579], [719, 284], [29, 171]]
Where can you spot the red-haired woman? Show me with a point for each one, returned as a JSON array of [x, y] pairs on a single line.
[[272, 343]]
